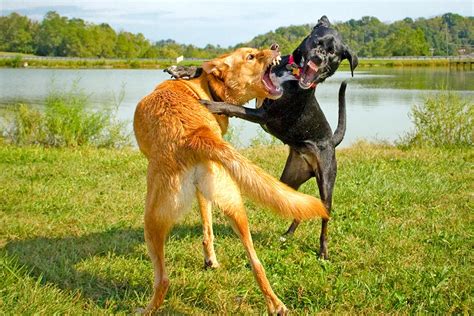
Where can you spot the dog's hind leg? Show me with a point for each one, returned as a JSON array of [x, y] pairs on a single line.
[[156, 230], [326, 178], [238, 219], [205, 207], [230, 202], [167, 199], [296, 172]]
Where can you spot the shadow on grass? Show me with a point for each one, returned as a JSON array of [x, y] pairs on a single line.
[[55, 261]]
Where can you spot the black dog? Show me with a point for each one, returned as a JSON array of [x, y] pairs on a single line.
[[296, 118]]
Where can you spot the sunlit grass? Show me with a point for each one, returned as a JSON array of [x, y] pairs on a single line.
[[400, 237]]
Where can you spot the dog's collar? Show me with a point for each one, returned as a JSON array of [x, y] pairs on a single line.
[[214, 96], [296, 69]]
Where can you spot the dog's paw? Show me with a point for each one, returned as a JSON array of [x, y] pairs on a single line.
[[211, 264], [323, 252], [280, 310], [206, 103], [213, 107]]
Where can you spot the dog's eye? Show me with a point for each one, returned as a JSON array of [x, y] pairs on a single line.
[[250, 56]]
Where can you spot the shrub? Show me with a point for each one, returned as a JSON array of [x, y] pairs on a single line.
[[15, 62], [233, 136], [264, 139], [67, 121], [444, 119], [29, 128]]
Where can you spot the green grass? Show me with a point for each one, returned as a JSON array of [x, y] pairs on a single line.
[[401, 237], [402, 63], [106, 63], [19, 61]]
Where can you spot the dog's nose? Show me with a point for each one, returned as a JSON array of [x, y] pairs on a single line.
[[275, 46]]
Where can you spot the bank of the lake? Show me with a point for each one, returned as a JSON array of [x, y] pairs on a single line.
[[400, 238], [12, 60]]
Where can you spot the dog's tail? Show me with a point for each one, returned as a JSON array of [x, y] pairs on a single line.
[[253, 181], [341, 122]]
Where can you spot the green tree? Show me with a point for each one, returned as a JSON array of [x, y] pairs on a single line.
[[105, 39], [17, 33], [406, 41], [59, 36], [50, 39]]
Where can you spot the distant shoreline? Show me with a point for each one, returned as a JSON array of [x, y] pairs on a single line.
[[12, 60]]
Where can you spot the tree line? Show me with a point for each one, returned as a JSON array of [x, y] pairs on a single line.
[[56, 35]]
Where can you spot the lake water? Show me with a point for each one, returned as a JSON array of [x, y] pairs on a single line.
[[378, 100]]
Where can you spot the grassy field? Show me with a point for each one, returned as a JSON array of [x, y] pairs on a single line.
[[401, 238]]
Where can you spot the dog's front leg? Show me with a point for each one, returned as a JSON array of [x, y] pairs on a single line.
[[258, 116]]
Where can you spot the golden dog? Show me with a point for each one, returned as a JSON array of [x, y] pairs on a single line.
[[188, 157]]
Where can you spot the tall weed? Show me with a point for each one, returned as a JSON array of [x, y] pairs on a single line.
[[444, 119], [264, 139], [67, 120]]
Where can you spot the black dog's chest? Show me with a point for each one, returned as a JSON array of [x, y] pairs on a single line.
[[293, 120]]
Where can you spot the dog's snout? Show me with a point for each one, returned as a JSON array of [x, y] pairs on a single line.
[[316, 56], [275, 47]]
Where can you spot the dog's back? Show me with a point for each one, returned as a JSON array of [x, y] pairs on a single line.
[[165, 116]]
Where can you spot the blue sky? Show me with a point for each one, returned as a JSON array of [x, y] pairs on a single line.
[[227, 22]]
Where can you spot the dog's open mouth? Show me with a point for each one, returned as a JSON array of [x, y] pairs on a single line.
[[308, 75], [270, 81]]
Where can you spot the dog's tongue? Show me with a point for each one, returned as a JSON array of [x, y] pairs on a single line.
[[267, 81], [309, 73]]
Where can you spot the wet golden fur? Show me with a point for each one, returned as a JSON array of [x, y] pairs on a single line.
[[188, 158]]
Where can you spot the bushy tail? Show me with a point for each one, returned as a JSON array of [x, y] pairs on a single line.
[[341, 122], [255, 182]]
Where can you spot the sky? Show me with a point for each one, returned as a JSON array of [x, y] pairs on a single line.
[[227, 22]]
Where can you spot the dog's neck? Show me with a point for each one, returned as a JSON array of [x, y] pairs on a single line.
[[222, 93], [216, 88]]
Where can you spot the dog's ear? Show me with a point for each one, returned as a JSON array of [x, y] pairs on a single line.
[[218, 66], [323, 21], [352, 58]]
